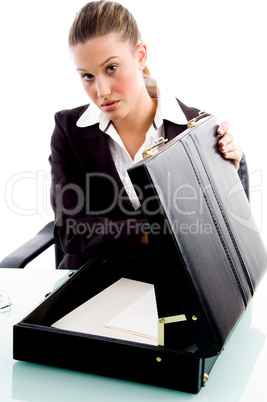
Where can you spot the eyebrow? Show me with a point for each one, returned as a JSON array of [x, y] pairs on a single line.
[[102, 64], [106, 61]]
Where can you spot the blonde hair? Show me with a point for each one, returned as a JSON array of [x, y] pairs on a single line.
[[98, 18]]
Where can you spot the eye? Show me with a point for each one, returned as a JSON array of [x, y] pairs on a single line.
[[87, 77], [111, 69]]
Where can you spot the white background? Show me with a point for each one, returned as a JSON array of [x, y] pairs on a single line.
[[211, 54]]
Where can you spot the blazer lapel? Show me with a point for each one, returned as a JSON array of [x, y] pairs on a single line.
[[172, 129], [93, 152]]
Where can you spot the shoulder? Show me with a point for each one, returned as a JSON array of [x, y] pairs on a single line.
[[68, 118], [65, 124]]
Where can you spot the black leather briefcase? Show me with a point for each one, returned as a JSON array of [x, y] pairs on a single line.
[[207, 259], [200, 218]]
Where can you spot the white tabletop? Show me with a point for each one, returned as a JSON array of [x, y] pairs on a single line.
[[240, 373]]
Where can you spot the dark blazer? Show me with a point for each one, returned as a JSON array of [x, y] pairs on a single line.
[[92, 210]]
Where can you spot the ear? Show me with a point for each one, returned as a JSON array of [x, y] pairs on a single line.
[[141, 55]]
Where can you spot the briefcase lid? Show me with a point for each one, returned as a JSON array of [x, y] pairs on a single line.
[[213, 251]]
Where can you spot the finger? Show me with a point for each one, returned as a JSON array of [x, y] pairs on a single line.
[[225, 140], [230, 147], [234, 155], [223, 128]]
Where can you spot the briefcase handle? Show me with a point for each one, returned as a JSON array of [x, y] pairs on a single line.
[[194, 122], [152, 151]]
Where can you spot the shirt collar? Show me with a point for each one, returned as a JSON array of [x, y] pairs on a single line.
[[168, 109]]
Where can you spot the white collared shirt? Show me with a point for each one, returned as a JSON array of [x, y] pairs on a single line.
[[168, 109]]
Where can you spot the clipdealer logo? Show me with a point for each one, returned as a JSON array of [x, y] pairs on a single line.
[[198, 227], [28, 193]]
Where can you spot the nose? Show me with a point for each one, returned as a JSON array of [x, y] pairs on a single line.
[[103, 88]]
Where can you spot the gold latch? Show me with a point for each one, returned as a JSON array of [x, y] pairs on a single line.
[[205, 378], [167, 320], [151, 151], [194, 122]]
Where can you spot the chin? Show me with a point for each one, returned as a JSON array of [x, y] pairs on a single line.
[[116, 116]]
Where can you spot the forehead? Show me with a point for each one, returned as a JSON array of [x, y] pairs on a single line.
[[96, 51]]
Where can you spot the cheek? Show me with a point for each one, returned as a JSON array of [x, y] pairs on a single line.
[[91, 92], [128, 84]]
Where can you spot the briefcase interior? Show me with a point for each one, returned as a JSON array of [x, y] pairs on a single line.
[[36, 340]]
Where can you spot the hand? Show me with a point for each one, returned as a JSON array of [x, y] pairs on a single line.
[[227, 145]]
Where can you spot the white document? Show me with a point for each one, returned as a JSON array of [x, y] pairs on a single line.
[[125, 310]]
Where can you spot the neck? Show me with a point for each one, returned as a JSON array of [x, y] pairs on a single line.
[[133, 128], [141, 117]]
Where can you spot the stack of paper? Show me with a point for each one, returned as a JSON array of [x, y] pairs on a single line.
[[125, 310]]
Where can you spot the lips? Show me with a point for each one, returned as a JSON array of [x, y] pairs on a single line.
[[109, 105]]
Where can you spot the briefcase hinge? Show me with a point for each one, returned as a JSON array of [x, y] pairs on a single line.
[[194, 122], [152, 151], [167, 320]]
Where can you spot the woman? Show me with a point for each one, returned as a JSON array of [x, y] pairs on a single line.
[[96, 207]]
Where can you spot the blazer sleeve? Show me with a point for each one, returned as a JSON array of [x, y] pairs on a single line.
[[76, 232]]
